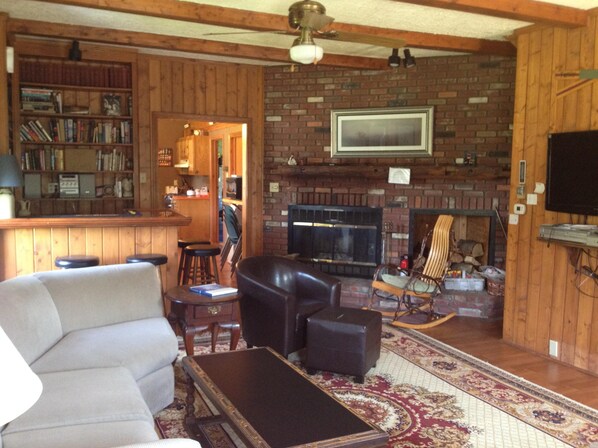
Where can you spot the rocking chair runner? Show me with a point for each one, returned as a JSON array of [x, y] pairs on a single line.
[[415, 290]]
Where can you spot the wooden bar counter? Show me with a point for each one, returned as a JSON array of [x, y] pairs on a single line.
[[30, 245]]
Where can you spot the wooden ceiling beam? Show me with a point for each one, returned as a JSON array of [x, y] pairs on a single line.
[[175, 43], [258, 21], [430, 41], [525, 10]]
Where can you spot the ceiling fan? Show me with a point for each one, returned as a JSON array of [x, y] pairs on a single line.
[[309, 17]]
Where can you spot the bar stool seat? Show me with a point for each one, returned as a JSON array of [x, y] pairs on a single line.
[[155, 259], [200, 264], [76, 261], [182, 244]]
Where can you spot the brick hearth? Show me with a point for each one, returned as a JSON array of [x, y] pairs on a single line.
[[356, 293]]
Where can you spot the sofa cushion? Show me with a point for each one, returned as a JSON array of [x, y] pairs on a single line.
[[104, 295], [90, 435], [142, 346], [82, 397], [29, 316]]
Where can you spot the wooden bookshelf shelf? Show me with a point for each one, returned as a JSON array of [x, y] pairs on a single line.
[[45, 85]]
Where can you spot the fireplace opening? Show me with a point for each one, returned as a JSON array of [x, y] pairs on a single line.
[[468, 225], [340, 240]]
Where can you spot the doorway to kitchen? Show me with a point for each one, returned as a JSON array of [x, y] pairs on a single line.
[[193, 156]]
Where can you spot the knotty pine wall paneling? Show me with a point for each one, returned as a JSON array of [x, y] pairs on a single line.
[[215, 91], [543, 300]]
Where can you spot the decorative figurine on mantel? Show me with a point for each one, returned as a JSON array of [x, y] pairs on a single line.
[[292, 161]]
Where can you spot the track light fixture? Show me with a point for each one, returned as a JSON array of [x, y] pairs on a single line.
[[394, 60], [409, 60], [75, 52]]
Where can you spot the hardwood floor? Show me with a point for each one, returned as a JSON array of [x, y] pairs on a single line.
[[483, 339]]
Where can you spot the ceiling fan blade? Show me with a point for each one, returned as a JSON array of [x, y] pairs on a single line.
[[315, 20], [367, 39]]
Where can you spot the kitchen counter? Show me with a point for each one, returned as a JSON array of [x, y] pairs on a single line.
[[182, 197], [30, 245], [198, 209]]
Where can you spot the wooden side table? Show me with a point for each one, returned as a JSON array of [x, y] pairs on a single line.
[[196, 313]]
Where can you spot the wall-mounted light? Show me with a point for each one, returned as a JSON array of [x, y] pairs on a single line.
[[409, 60], [394, 60], [75, 52]]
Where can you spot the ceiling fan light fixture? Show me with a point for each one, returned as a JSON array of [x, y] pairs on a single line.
[[306, 53], [304, 49], [409, 60], [394, 60]]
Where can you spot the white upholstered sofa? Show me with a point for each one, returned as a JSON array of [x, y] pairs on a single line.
[[97, 339]]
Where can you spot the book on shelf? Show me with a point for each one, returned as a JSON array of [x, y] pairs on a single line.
[[41, 100], [213, 290]]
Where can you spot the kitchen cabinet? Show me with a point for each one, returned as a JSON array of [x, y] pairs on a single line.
[[193, 155], [198, 209]]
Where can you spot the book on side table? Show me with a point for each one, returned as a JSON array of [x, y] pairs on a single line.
[[213, 290]]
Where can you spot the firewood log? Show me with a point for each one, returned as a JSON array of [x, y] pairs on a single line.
[[471, 247]]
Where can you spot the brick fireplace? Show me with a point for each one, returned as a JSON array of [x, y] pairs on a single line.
[[473, 111]]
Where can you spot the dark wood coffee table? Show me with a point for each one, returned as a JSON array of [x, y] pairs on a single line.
[[270, 403], [196, 313]]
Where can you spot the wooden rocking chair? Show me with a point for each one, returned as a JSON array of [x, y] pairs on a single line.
[[414, 290]]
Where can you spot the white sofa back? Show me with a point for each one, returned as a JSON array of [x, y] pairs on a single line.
[[38, 310]]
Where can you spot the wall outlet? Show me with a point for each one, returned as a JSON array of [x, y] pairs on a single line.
[[142, 178], [553, 348], [274, 187]]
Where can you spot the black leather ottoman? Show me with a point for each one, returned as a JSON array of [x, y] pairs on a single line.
[[343, 340]]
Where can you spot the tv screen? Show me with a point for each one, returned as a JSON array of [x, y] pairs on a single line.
[[572, 174]]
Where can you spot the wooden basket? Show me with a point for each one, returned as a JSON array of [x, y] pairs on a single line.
[[495, 288]]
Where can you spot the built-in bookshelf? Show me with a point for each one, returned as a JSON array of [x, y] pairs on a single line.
[[74, 128]]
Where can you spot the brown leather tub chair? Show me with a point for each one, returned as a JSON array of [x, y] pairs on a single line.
[[278, 295]]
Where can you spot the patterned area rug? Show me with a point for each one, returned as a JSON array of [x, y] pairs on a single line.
[[426, 394]]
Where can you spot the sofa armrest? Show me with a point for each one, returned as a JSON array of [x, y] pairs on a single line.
[[165, 443]]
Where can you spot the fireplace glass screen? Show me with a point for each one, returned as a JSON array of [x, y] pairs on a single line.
[[339, 240]]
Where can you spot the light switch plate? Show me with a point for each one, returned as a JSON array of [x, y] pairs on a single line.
[[532, 199], [274, 187], [513, 219]]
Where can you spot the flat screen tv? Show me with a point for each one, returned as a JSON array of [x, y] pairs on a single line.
[[572, 174]]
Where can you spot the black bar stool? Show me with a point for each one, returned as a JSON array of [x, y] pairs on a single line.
[[200, 264], [76, 261], [182, 244]]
